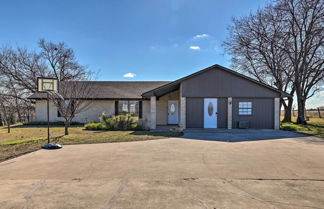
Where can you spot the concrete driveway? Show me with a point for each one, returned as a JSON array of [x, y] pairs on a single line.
[[239, 135], [169, 173]]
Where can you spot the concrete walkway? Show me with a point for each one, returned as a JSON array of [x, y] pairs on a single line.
[[169, 173]]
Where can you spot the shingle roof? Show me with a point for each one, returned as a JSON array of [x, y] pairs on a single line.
[[116, 89]]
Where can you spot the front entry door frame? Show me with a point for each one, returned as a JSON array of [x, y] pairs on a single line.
[[173, 112], [210, 112]]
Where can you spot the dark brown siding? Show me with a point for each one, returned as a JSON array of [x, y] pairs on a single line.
[[222, 113], [262, 113], [217, 83], [195, 112]]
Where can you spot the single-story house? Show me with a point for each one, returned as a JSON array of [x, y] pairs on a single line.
[[215, 97]]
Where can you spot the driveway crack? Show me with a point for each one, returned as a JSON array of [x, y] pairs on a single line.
[[29, 194], [110, 203]]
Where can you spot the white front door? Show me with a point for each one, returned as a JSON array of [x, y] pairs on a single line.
[[210, 113], [173, 114]]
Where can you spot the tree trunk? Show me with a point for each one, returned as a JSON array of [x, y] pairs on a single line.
[[66, 128], [301, 112], [8, 125], [288, 109], [19, 114], [1, 120]]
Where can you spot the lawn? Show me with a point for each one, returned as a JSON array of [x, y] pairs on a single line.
[[315, 127], [24, 139]]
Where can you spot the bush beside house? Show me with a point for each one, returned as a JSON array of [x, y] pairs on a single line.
[[115, 123]]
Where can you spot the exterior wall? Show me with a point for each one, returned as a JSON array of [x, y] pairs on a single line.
[[146, 111], [195, 112], [162, 107], [262, 113], [220, 84], [217, 83], [41, 111], [95, 110], [222, 113], [90, 115]]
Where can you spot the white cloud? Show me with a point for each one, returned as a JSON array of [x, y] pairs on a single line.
[[129, 75], [199, 36], [316, 100], [194, 47]]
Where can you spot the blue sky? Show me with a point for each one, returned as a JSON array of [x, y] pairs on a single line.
[[153, 39]]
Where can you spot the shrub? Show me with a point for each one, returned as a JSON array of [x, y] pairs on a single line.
[[95, 126], [120, 122], [115, 123]]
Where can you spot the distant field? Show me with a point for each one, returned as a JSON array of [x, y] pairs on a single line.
[[311, 119], [309, 113]]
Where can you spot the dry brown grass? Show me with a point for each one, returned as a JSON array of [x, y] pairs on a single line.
[[24, 139]]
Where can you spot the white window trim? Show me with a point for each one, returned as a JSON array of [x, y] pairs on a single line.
[[245, 108]]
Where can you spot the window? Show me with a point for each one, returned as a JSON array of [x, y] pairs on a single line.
[[245, 108], [128, 107]]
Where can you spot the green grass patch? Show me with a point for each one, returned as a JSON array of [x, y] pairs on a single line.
[[21, 141], [115, 136], [312, 128], [25, 139], [44, 123]]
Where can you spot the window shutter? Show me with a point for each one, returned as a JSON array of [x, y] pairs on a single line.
[[140, 109], [116, 107]]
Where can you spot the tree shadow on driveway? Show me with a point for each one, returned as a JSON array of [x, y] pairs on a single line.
[[239, 135]]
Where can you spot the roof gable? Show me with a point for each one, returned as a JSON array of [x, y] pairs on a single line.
[[220, 83], [175, 84]]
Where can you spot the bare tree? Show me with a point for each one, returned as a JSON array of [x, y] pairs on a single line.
[[7, 109], [304, 26], [282, 44], [61, 61], [22, 67], [73, 98], [254, 45], [19, 69]]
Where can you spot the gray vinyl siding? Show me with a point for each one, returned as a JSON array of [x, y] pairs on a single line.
[[262, 113], [195, 112], [218, 83]]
